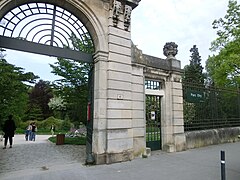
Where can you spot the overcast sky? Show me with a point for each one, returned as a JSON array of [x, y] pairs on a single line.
[[185, 22], [155, 22]]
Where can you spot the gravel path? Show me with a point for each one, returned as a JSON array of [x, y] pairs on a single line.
[[39, 154]]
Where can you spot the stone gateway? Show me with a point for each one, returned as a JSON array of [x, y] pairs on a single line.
[[121, 73]]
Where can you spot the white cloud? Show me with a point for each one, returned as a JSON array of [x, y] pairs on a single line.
[[154, 22], [186, 22]]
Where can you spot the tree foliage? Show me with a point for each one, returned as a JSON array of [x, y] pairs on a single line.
[[39, 97], [13, 96], [73, 86], [224, 67], [194, 71], [59, 106]]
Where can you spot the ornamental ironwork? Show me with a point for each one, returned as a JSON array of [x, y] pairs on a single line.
[[45, 24]]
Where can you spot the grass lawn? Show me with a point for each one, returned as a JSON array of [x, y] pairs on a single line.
[[71, 140]]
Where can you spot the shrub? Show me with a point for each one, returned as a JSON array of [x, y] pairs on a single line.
[[46, 124], [66, 125]]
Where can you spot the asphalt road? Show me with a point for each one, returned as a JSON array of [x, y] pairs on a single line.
[[195, 164]]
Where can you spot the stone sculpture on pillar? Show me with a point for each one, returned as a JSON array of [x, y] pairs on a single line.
[[170, 50], [127, 16], [116, 12]]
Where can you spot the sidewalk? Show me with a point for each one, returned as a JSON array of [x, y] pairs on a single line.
[[195, 164]]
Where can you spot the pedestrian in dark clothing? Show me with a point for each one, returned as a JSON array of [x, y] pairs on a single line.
[[33, 132], [9, 129]]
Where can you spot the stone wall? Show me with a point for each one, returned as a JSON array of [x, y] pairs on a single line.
[[196, 139], [168, 72]]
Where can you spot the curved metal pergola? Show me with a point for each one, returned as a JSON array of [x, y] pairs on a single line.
[[45, 29]]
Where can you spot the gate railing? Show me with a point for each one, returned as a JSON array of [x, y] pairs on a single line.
[[207, 107], [153, 122]]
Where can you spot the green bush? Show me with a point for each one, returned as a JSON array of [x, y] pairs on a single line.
[[23, 125], [47, 123], [71, 140], [44, 126], [66, 125]]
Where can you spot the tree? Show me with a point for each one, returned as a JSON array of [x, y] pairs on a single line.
[[73, 87], [224, 67], [194, 71], [58, 105], [13, 96], [193, 81], [39, 97]]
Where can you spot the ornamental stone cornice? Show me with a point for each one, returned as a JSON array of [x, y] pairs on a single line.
[[132, 3]]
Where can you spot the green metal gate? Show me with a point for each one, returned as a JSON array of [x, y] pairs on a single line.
[[153, 122], [89, 154]]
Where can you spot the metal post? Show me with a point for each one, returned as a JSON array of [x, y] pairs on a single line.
[[223, 174]]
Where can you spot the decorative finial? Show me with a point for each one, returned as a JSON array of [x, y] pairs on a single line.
[[170, 50]]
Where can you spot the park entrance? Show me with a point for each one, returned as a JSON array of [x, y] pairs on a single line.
[[118, 118], [51, 30]]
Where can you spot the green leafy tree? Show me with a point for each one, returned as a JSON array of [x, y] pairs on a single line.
[[224, 66], [39, 97], [58, 105], [13, 96], [73, 86], [194, 71]]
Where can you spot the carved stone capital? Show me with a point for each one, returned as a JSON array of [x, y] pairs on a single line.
[[170, 50], [117, 6], [127, 16]]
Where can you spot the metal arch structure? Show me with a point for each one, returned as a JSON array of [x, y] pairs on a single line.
[[47, 29]]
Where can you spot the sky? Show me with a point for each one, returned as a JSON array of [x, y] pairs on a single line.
[[153, 23], [185, 22]]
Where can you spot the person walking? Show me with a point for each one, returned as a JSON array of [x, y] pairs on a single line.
[[52, 130], [9, 128], [33, 132], [28, 132]]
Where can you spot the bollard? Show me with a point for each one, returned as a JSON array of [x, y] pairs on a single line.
[[223, 174]]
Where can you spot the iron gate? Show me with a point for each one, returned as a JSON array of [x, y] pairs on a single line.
[[89, 155], [153, 122]]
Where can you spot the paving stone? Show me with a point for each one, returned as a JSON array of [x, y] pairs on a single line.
[[38, 154]]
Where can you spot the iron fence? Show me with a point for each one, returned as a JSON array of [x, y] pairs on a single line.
[[207, 107]]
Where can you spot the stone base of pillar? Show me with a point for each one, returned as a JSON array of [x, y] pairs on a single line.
[[119, 157], [169, 148], [178, 145], [180, 142], [100, 158], [110, 158]]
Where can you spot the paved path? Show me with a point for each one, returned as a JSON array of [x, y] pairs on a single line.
[[195, 164], [38, 154]]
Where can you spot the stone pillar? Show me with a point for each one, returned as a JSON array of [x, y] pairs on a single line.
[[100, 107], [138, 111], [173, 127], [112, 130], [119, 117]]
